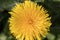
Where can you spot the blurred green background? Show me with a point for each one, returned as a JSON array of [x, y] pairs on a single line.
[[53, 7]]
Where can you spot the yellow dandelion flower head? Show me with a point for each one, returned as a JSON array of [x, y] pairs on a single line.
[[29, 21]]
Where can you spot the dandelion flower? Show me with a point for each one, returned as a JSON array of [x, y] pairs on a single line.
[[29, 21]]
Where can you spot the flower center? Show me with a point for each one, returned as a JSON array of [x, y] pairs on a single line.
[[30, 21]]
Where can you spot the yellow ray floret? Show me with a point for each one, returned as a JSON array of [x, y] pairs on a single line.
[[29, 21]]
